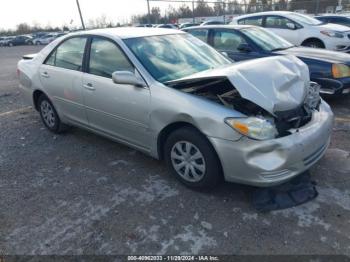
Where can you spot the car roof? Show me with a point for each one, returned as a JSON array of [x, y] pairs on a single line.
[[130, 32], [332, 16], [231, 26], [265, 13]]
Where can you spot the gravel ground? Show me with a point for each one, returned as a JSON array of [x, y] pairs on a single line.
[[79, 193]]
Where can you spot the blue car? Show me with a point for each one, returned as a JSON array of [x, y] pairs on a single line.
[[243, 42]]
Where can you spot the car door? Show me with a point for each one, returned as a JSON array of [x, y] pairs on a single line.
[[62, 78], [283, 27], [117, 110], [230, 42]]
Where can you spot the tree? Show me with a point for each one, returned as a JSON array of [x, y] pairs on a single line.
[[184, 11], [219, 8], [23, 28], [203, 9]]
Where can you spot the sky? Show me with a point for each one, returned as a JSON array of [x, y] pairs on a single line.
[[60, 12]]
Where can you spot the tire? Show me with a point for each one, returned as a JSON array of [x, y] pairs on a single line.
[[314, 43], [10, 44], [200, 168], [49, 115], [38, 43]]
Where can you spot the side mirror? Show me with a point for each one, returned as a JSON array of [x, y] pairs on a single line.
[[244, 48], [127, 78], [291, 26]]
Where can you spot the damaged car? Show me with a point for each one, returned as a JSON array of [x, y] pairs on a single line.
[[173, 97]]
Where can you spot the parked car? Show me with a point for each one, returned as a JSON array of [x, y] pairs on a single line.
[[168, 94], [328, 68], [18, 40], [212, 22], [2, 39], [5, 40], [44, 40], [335, 19], [300, 29], [144, 25], [185, 25], [170, 26]]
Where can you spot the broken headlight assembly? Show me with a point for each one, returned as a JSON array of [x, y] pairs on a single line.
[[253, 127], [312, 99]]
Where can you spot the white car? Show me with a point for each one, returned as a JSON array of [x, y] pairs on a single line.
[[44, 40], [300, 29]]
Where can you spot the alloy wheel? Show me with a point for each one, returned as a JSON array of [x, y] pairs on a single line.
[[188, 161], [48, 114]]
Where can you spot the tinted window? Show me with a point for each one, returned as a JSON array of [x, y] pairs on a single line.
[[200, 34], [227, 40], [256, 20], [339, 20], [277, 22], [106, 58], [69, 54]]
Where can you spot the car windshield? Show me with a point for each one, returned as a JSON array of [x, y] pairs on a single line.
[[266, 39], [304, 19], [171, 57]]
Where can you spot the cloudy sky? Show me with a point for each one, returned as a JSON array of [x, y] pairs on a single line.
[[59, 12]]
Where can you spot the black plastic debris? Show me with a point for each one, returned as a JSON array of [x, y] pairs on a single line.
[[295, 192]]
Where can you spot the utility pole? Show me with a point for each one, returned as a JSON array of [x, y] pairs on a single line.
[[193, 12], [149, 13], [317, 7], [81, 16]]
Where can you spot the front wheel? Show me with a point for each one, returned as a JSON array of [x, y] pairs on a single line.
[[192, 159], [313, 43], [49, 115]]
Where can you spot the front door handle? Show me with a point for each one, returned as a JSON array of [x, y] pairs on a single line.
[[45, 74], [89, 86]]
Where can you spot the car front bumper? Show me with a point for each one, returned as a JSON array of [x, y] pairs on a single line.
[[338, 44], [340, 86], [272, 162]]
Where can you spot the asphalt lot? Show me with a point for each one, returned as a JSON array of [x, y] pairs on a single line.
[[79, 193]]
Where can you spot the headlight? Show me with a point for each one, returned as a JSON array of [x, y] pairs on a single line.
[[333, 34], [253, 127], [340, 70]]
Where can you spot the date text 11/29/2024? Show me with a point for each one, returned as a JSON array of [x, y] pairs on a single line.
[[173, 258]]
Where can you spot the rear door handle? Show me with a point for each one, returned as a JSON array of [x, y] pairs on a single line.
[[45, 74], [89, 86]]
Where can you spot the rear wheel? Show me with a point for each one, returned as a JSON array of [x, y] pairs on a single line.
[[49, 115], [192, 159], [38, 43], [10, 44]]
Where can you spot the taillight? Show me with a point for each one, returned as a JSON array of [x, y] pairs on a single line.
[[18, 72]]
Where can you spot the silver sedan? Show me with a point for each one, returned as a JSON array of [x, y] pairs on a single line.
[[171, 96]]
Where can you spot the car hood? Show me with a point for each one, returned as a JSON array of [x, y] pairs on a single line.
[[334, 27], [319, 54], [274, 83]]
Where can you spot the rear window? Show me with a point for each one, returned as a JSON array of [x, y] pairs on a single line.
[[69, 54], [256, 20]]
